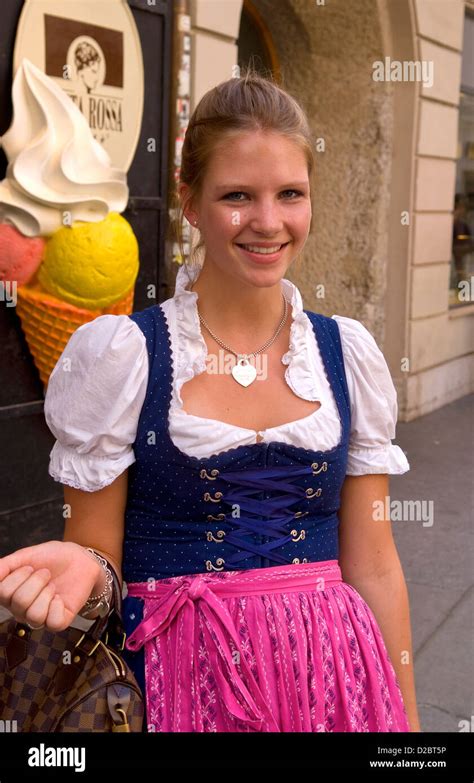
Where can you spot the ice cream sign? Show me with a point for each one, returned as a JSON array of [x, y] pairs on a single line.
[[91, 49], [67, 255]]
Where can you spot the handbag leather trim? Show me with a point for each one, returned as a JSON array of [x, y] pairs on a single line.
[[17, 648]]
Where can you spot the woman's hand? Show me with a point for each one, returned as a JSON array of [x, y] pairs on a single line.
[[47, 584]]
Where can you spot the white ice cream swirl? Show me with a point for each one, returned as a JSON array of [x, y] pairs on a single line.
[[55, 166]]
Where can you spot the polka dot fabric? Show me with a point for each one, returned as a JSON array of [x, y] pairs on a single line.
[[185, 515], [237, 618]]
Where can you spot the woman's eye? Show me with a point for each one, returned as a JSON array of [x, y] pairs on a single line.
[[241, 193], [298, 192], [235, 193]]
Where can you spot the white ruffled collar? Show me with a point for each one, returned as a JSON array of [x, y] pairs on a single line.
[[193, 349]]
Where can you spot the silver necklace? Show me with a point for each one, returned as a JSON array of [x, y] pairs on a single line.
[[244, 372]]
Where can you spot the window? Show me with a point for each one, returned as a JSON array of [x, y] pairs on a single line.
[[462, 259]]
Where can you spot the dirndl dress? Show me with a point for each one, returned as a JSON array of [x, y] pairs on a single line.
[[237, 617]]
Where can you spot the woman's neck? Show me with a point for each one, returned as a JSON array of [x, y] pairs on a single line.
[[231, 308]]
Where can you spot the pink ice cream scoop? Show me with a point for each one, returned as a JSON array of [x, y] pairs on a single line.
[[20, 256]]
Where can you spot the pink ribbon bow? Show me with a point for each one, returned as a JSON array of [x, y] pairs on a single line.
[[246, 704]]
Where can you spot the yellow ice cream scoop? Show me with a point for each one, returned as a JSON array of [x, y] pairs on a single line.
[[91, 265]]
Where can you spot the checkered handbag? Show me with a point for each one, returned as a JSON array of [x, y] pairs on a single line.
[[71, 680]]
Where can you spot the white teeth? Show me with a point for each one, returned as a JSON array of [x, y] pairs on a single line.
[[263, 250]]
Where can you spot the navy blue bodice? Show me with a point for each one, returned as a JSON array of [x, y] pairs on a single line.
[[248, 507]]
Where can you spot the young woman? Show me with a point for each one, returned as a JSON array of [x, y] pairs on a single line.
[[225, 451]]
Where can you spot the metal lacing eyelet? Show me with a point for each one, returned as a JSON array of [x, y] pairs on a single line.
[[205, 475], [211, 567], [300, 514], [215, 499], [218, 518], [317, 469], [301, 536], [297, 560], [220, 535], [311, 493]]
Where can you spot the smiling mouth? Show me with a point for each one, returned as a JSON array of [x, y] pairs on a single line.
[[262, 250]]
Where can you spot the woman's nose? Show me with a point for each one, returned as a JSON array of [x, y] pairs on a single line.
[[266, 220]]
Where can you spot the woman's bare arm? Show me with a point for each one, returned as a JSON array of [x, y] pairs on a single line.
[[369, 562], [96, 519]]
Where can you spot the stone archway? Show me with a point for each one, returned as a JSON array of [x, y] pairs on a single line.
[[326, 55]]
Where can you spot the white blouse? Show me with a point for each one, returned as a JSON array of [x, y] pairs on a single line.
[[93, 401]]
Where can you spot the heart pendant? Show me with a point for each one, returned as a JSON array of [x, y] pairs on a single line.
[[244, 372]]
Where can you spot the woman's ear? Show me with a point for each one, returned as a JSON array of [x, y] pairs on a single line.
[[187, 203]]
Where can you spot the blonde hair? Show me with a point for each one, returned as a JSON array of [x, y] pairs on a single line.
[[250, 102]]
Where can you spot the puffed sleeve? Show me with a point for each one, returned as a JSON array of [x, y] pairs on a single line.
[[374, 407], [93, 401]]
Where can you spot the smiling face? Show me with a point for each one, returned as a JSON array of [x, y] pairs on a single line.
[[89, 75], [255, 193]]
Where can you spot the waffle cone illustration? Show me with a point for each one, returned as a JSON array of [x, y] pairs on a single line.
[[49, 322]]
